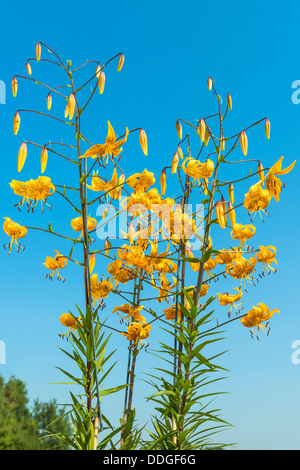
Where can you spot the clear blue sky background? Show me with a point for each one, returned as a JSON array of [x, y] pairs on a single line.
[[250, 50]]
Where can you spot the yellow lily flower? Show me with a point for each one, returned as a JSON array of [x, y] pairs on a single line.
[[141, 180], [226, 298], [132, 312], [135, 257], [111, 187], [33, 190], [15, 231], [120, 272], [111, 146], [273, 183], [100, 290], [266, 255], [256, 316], [241, 268], [56, 263], [257, 199], [242, 233], [70, 322], [159, 261], [77, 225], [227, 256], [137, 332], [196, 169], [170, 312]]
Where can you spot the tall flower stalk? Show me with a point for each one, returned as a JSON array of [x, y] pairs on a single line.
[[150, 264]]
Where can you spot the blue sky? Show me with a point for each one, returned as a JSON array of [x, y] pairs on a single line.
[[170, 49]]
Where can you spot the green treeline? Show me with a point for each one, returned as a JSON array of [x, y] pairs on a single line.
[[22, 427]]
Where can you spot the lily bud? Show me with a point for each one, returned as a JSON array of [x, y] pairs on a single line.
[[209, 83], [179, 151], [202, 128], [121, 62], [49, 101], [224, 208], [107, 246], [38, 51], [92, 261], [14, 86], [98, 70], [220, 214], [28, 68], [231, 214], [71, 106], [260, 170], [222, 144], [131, 232], [267, 128], [179, 129], [207, 136], [22, 156], [244, 142], [121, 180], [17, 121], [44, 159], [231, 193], [175, 162], [205, 186], [163, 184], [101, 82], [143, 141], [229, 102], [105, 212], [66, 111]]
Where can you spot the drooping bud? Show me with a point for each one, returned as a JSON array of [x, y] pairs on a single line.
[[205, 186], [202, 128], [209, 83], [220, 214], [49, 101], [175, 162], [14, 86], [207, 136], [229, 102], [143, 141], [163, 180], [121, 62], [224, 208], [66, 111], [101, 82], [231, 193], [179, 151], [38, 51], [28, 68], [98, 70], [260, 170], [179, 129], [17, 121], [71, 106], [121, 181], [222, 144], [22, 156], [107, 246], [231, 214], [244, 142], [267, 128], [92, 261], [44, 159], [105, 212], [131, 232]]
